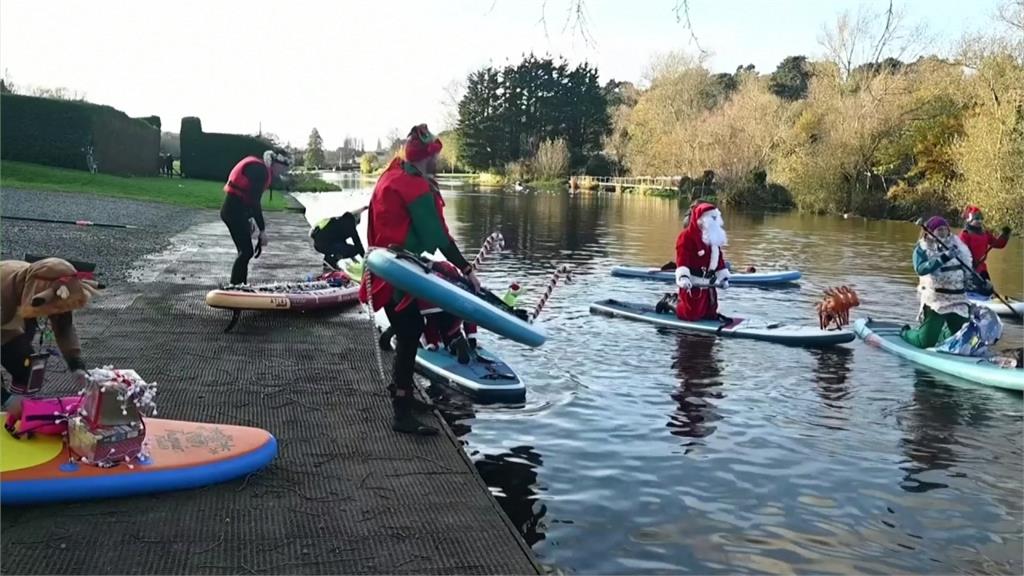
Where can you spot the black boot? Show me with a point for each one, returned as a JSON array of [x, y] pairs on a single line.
[[417, 404], [460, 347], [405, 420]]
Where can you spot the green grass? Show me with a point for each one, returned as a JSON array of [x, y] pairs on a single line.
[[178, 191]]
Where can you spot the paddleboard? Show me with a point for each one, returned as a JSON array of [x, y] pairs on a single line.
[[182, 455], [486, 378], [297, 296], [735, 279], [1014, 310], [411, 277], [755, 329], [886, 336]]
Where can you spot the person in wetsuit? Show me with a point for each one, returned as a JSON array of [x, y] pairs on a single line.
[[337, 238], [243, 194]]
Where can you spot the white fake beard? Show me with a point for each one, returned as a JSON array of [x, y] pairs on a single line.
[[713, 234]]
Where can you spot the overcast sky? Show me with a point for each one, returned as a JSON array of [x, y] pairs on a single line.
[[365, 68]]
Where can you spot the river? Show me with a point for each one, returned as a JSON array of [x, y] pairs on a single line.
[[640, 451]]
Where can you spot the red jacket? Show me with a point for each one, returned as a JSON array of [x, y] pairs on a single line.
[[406, 210], [979, 244]]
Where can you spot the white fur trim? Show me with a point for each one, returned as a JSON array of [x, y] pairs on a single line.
[[716, 254], [723, 274], [683, 273], [429, 311]]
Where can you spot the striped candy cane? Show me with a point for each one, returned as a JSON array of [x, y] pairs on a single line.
[[495, 242], [563, 269]]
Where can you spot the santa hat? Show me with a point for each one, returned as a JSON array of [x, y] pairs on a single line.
[[421, 144], [697, 212], [972, 212]]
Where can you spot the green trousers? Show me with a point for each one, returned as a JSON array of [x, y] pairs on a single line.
[[933, 328]]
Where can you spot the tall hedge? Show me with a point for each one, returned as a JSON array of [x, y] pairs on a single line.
[[211, 155], [60, 133]]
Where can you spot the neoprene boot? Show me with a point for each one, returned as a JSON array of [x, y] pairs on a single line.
[[460, 347], [406, 422], [417, 404]]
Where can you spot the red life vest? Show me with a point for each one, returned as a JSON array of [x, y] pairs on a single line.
[[978, 243], [238, 183]]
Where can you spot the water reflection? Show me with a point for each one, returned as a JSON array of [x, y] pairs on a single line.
[[832, 370], [512, 477], [698, 368], [938, 413]]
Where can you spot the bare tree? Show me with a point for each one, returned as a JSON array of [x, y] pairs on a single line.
[[453, 92], [869, 37]]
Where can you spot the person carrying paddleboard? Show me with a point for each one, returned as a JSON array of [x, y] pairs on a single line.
[[406, 209], [337, 238], [50, 288], [243, 194], [980, 241], [942, 284], [699, 254]]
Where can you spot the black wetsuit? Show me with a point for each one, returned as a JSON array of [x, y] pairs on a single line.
[[236, 211], [331, 238]]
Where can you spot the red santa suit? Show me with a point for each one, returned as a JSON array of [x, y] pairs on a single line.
[[699, 255]]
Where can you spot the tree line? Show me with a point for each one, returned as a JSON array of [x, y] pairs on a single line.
[[868, 129]]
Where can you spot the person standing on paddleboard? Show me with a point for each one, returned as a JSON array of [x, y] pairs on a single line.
[[942, 284], [406, 209], [980, 241], [50, 288], [699, 255], [243, 194]]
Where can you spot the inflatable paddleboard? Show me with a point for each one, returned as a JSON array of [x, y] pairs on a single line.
[[735, 279], [182, 455], [886, 336], [486, 378], [411, 277], [1014, 310], [738, 328], [297, 296]]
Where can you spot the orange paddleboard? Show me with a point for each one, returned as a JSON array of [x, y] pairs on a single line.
[[182, 455]]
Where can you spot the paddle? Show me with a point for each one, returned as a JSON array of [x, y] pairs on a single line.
[[969, 268], [75, 222]]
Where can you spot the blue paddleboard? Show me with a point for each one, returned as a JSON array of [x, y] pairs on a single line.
[[411, 277], [735, 279]]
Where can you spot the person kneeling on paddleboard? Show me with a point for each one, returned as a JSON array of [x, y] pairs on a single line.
[[243, 195], [941, 285], [979, 241], [50, 288], [337, 238], [406, 210], [699, 255]]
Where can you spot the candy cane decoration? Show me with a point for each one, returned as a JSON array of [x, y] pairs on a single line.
[[563, 269], [495, 242]]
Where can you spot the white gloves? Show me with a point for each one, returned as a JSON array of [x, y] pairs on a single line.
[[683, 278], [722, 278], [81, 377]]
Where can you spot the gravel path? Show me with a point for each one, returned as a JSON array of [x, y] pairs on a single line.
[[112, 249]]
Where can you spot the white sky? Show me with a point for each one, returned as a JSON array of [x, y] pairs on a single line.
[[365, 68]]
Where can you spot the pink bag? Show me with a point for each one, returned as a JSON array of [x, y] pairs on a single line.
[[47, 416]]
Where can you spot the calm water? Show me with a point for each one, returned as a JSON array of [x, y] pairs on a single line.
[[642, 451]]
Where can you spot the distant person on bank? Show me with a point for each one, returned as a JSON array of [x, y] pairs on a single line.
[[243, 194]]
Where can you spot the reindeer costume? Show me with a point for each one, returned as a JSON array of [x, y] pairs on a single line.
[[52, 288]]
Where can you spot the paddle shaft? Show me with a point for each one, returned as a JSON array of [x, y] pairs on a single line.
[[971, 270], [75, 222]]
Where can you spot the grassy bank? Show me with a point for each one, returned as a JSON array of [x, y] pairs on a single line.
[[177, 191]]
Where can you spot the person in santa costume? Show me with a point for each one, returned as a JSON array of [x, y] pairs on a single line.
[[406, 209], [979, 241], [699, 255]]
